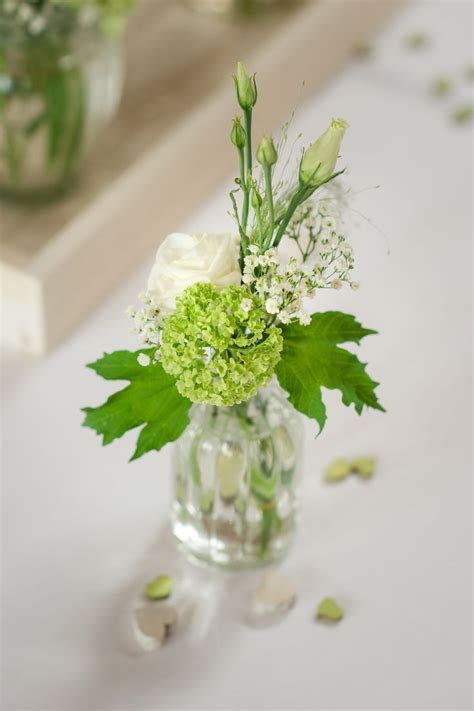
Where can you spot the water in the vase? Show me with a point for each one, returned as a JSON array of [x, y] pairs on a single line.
[[236, 481]]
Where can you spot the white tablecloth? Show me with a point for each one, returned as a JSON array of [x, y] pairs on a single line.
[[82, 529]]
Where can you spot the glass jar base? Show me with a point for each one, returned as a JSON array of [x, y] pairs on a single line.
[[218, 551], [37, 196]]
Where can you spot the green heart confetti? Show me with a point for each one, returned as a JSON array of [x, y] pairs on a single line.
[[417, 40], [463, 114], [363, 51], [363, 467], [159, 588], [329, 610], [442, 86], [338, 470]]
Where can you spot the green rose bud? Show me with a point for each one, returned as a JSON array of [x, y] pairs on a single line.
[[266, 152], [245, 87], [319, 160], [237, 135]]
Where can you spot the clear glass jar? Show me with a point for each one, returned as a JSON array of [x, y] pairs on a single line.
[[58, 89], [236, 481]]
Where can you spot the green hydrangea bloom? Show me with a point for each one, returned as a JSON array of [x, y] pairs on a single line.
[[218, 345]]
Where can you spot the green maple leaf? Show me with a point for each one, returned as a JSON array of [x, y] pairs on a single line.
[[151, 399], [312, 359]]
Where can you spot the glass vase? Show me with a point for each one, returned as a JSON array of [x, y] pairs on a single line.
[[236, 475], [242, 8], [58, 90]]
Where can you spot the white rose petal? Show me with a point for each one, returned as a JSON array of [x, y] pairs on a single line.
[[183, 260]]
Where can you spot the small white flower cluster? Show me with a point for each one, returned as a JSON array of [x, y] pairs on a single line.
[[26, 15], [148, 324], [318, 230], [326, 262], [281, 288]]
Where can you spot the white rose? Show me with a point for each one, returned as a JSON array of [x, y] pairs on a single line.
[[182, 260]]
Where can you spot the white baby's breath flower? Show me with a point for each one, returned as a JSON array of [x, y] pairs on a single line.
[[271, 306], [88, 16], [284, 317], [355, 285], [251, 261], [304, 318], [329, 222], [143, 359], [10, 6], [336, 284], [246, 305], [324, 208], [37, 25], [25, 12]]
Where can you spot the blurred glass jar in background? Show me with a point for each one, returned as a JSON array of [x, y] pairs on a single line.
[[234, 7], [61, 79]]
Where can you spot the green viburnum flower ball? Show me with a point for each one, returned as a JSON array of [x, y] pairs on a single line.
[[218, 345]]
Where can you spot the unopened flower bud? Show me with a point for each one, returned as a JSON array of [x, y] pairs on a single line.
[[266, 152], [245, 87], [237, 135], [256, 199], [319, 160]]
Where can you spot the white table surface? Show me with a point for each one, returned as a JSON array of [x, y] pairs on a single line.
[[82, 529]]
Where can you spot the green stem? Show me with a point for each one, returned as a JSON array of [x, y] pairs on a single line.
[[268, 518], [260, 227], [243, 182], [246, 192], [76, 124], [269, 198], [303, 193], [295, 201], [248, 170]]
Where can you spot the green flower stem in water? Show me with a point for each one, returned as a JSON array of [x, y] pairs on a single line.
[[261, 486], [58, 126], [268, 519]]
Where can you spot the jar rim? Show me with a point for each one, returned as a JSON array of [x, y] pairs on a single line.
[[62, 24]]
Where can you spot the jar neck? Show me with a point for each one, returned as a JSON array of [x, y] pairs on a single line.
[[246, 412]]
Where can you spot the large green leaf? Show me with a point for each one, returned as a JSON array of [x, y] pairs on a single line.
[[151, 399], [311, 359]]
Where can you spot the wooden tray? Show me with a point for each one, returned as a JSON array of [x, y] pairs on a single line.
[[58, 261]]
